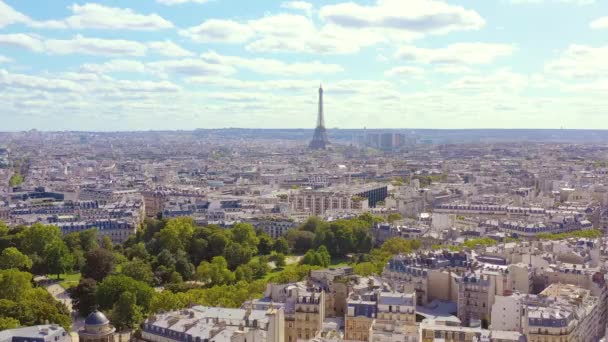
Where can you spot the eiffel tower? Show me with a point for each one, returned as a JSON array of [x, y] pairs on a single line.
[[319, 139]]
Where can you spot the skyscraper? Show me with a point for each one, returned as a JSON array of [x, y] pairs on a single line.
[[319, 139]]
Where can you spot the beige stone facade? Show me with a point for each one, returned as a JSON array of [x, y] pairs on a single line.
[[306, 321]]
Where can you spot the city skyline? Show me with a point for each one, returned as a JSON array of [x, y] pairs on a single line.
[[185, 64]]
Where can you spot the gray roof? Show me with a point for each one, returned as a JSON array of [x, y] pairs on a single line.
[[96, 318], [395, 298], [46, 332]]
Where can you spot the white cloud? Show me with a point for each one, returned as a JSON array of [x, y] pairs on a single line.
[[96, 16], [580, 61], [453, 69], [574, 2], [95, 46], [90, 16], [272, 66], [502, 80], [297, 34], [404, 71], [147, 86], [190, 67], [409, 17], [9, 16], [458, 53], [275, 85], [179, 2], [169, 49], [216, 30], [22, 41], [77, 45], [343, 28], [115, 65], [304, 6], [22, 81], [601, 23], [4, 59], [83, 76]]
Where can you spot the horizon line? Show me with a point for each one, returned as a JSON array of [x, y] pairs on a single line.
[[302, 128]]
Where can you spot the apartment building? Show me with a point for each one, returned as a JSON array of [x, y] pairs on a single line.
[[38, 333], [564, 312], [304, 308], [338, 199], [304, 317], [447, 330], [395, 317], [429, 275], [476, 292], [360, 317], [201, 323]]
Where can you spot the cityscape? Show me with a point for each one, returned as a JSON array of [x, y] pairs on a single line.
[[249, 224]]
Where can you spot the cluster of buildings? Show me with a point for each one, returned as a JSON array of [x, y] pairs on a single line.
[[522, 289], [439, 190], [531, 291]]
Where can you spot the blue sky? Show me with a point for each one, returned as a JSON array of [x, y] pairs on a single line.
[[184, 64]]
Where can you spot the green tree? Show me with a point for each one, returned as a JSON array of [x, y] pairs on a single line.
[[109, 291], [137, 251], [79, 259], [299, 240], [237, 254], [106, 243], [365, 269], [244, 273], [479, 242], [4, 229], [324, 256], [399, 245], [72, 240], [394, 217], [38, 307], [8, 323], [281, 245], [265, 244], [244, 234], [177, 234], [198, 250], [312, 224], [83, 296], [57, 257], [14, 284], [126, 314], [320, 257], [99, 263], [15, 180], [88, 239], [371, 219], [35, 238], [138, 270], [12, 258], [259, 267], [310, 258], [278, 259], [168, 301], [166, 258], [183, 265], [215, 272], [217, 244]]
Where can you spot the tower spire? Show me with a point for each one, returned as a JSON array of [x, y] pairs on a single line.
[[319, 139], [320, 119]]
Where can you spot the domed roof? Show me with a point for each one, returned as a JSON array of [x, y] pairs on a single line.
[[96, 318]]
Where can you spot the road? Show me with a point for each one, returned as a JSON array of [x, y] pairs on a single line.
[[60, 294]]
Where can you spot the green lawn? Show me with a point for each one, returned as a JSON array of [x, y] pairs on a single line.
[[336, 262], [68, 280]]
